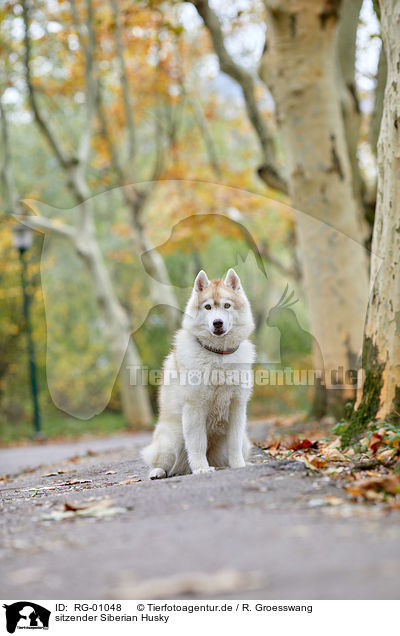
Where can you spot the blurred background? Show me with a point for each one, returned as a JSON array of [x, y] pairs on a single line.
[[140, 163]]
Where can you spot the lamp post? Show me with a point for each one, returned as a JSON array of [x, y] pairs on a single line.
[[22, 241]]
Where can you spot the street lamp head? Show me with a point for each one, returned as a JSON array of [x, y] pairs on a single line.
[[22, 237]]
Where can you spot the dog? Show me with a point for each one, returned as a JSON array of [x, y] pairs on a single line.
[[206, 384]]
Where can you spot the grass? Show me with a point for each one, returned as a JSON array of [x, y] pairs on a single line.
[[57, 426]]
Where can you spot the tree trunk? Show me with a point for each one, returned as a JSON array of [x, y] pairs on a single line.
[[135, 400], [299, 67], [117, 332], [381, 394], [376, 115], [346, 81], [160, 288], [134, 397]]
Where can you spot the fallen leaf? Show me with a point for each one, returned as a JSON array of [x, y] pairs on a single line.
[[128, 481], [74, 482], [334, 470], [305, 461], [332, 500], [304, 444], [111, 472], [386, 454], [91, 453], [334, 455], [272, 444], [372, 485], [317, 461], [375, 442], [102, 509], [71, 506], [195, 584]]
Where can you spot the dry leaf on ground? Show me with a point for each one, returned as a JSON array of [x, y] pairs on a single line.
[[205, 584], [101, 509], [378, 484]]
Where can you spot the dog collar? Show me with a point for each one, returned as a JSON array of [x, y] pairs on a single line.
[[219, 351]]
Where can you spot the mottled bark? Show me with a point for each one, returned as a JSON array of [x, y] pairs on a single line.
[[346, 56], [376, 115], [299, 67], [382, 332]]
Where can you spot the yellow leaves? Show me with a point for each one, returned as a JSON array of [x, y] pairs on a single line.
[[387, 455], [122, 256], [123, 230]]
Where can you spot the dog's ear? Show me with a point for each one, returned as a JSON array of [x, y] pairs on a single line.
[[232, 279], [201, 281]]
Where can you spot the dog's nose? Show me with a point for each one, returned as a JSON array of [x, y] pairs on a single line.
[[218, 324]]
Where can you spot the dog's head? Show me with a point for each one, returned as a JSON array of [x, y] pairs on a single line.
[[217, 308]]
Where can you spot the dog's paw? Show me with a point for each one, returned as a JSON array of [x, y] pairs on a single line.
[[237, 463], [200, 471], [157, 473]]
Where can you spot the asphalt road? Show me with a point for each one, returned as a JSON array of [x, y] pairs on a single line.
[[271, 530]]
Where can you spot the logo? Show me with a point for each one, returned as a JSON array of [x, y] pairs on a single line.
[[26, 615]]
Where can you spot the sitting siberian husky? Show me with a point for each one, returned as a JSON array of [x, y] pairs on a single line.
[[206, 384]]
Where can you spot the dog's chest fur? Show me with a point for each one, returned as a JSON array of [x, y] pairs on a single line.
[[213, 398], [218, 409]]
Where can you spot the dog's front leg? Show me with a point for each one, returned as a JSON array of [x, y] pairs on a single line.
[[236, 432], [195, 435]]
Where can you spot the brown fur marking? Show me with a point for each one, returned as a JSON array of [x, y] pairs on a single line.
[[217, 290]]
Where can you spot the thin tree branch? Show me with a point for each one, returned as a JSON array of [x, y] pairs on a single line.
[[89, 48], [205, 131], [247, 84], [265, 252], [10, 189], [262, 248], [63, 159], [159, 161], [41, 223], [105, 132], [124, 83]]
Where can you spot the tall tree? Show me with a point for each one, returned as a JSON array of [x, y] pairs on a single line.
[[136, 195], [135, 401], [381, 351], [299, 66]]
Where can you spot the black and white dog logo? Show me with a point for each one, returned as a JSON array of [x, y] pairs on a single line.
[[26, 615]]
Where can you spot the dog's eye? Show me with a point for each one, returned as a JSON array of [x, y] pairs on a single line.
[[227, 305], [208, 307]]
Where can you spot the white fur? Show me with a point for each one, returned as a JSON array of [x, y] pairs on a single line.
[[203, 426]]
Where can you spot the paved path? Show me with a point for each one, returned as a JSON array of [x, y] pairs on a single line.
[[15, 460], [265, 531]]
